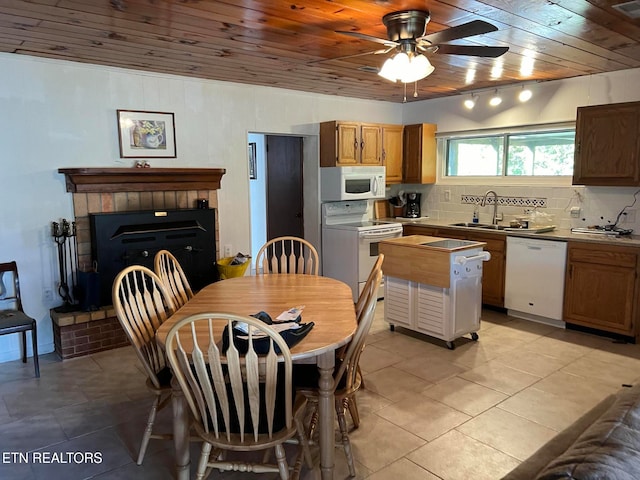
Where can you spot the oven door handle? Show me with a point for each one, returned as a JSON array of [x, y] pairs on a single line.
[[381, 235]]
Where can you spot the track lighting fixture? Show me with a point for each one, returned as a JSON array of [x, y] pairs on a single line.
[[496, 99], [525, 94], [469, 103]]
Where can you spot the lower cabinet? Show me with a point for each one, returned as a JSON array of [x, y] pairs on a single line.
[[493, 271], [601, 287]]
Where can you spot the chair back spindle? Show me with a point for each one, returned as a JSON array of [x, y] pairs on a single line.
[[287, 255], [168, 268]]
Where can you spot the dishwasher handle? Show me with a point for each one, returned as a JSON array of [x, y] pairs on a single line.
[[461, 259]]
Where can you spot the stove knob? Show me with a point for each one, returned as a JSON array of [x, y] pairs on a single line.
[[144, 253], [456, 272], [468, 269]]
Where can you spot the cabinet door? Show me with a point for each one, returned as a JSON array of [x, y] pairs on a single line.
[[371, 145], [419, 152], [392, 152], [607, 145], [348, 143], [600, 289]]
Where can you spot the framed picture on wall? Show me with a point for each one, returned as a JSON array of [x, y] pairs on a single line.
[[146, 134], [253, 173]]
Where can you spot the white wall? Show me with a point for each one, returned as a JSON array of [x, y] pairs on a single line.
[[552, 102], [62, 114]]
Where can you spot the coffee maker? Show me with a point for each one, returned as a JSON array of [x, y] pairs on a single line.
[[413, 205]]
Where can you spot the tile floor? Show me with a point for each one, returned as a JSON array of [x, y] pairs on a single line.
[[426, 412]]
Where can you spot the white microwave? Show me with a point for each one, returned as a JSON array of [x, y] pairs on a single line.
[[351, 183]]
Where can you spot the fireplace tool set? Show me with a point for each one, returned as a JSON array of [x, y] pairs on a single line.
[[64, 234]]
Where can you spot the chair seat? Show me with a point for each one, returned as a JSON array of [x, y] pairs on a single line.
[[15, 319]]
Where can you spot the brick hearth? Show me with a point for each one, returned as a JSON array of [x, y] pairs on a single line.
[[81, 333]]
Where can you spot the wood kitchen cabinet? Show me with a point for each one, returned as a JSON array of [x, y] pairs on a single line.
[[419, 153], [392, 152], [493, 271], [350, 143], [601, 287], [607, 148]]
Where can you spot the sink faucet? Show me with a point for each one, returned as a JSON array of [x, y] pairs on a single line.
[[494, 218]]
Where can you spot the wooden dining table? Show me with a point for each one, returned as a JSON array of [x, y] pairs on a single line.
[[326, 302]]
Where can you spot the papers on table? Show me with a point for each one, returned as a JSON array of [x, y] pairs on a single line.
[[278, 327]]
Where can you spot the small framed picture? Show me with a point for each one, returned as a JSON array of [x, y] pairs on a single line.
[[146, 134], [253, 173]]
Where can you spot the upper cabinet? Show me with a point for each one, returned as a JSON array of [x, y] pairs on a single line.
[[608, 145], [392, 152], [419, 149], [350, 143]]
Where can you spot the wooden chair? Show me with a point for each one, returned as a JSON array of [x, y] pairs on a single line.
[[239, 401], [168, 268], [287, 255], [347, 377], [12, 316], [363, 300], [142, 303]]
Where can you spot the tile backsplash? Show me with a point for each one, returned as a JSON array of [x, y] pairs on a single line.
[[598, 205]]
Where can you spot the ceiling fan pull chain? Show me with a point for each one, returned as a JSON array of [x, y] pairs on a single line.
[[415, 90], [404, 99]]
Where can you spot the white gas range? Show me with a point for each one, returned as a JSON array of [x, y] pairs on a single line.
[[350, 242]]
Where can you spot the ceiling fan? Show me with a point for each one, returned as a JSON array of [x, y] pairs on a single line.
[[406, 32]]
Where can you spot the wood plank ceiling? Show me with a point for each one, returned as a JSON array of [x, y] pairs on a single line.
[[293, 44]]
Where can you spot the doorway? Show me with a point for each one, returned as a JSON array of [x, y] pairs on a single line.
[[284, 195], [284, 187]]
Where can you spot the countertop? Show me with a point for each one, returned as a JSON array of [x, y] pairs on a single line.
[[559, 234]]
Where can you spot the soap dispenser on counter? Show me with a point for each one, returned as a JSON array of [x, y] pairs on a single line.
[[476, 214]]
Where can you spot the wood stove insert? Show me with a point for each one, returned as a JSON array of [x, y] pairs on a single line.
[[133, 238]]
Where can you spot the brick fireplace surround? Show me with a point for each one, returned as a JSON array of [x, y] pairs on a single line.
[[103, 190]]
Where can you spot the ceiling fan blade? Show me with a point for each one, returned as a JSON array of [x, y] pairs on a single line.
[[472, 50], [363, 36], [373, 52], [477, 27]]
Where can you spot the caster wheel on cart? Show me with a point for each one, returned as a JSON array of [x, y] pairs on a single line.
[[451, 345], [474, 336], [392, 328]]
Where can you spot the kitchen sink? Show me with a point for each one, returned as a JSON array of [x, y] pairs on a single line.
[[494, 227], [469, 224], [478, 225]]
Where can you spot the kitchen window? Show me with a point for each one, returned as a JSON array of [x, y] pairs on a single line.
[[517, 154]]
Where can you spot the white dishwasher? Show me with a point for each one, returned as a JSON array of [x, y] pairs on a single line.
[[534, 279]]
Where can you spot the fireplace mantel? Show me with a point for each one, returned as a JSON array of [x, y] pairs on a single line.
[[104, 180]]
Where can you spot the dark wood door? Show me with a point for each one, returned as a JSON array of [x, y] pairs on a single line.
[[284, 187]]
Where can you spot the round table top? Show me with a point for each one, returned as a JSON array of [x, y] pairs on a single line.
[[327, 302]]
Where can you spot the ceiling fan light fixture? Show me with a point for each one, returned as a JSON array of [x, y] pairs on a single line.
[[525, 95], [388, 70], [405, 68], [495, 100]]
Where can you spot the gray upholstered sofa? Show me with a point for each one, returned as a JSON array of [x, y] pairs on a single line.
[[603, 444]]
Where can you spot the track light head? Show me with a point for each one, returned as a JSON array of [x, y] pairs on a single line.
[[469, 103], [495, 100]]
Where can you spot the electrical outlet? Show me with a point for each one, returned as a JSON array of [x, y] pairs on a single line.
[[575, 212], [447, 195], [228, 250]]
